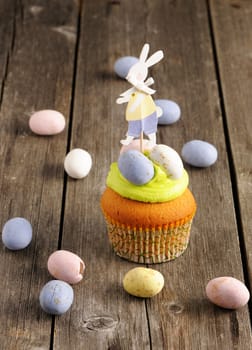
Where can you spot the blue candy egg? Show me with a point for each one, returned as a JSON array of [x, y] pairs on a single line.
[[171, 112], [56, 297], [123, 65], [17, 233], [199, 153], [135, 167]]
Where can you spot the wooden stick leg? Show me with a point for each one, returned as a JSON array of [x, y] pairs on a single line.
[[141, 142]]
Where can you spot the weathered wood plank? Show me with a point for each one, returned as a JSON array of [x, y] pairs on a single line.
[[182, 318], [233, 37], [39, 75], [7, 33], [102, 316]]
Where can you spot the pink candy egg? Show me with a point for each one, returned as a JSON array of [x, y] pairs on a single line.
[[227, 292], [66, 266], [135, 145], [47, 122]]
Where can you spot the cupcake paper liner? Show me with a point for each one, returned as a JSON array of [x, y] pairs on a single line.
[[149, 245]]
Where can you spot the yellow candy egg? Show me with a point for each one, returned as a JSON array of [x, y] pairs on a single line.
[[143, 282]]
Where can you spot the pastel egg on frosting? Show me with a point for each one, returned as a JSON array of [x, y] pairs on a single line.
[[135, 144], [227, 292], [47, 122], [171, 111], [66, 266], [78, 163], [135, 167], [199, 153], [168, 159], [56, 297], [123, 65]]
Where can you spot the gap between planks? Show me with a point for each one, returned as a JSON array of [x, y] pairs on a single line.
[[232, 172], [69, 136]]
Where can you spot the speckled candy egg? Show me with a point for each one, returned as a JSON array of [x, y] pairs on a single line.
[[143, 282], [199, 153], [66, 266], [47, 122], [78, 163], [171, 111], [227, 292], [17, 233], [123, 65], [135, 167], [135, 144], [56, 297], [168, 159]]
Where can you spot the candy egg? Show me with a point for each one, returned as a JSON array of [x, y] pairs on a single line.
[[78, 163], [66, 266], [56, 297], [123, 65], [135, 144], [135, 167], [168, 159], [171, 111], [199, 153], [47, 122], [227, 292], [17, 233], [143, 282]]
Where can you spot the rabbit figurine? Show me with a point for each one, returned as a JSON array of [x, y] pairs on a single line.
[[141, 111]]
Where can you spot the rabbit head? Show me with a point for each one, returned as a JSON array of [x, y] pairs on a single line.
[[139, 71]]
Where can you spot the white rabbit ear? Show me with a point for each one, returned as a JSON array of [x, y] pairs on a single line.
[[144, 53], [155, 58]]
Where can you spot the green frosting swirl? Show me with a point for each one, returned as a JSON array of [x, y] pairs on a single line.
[[159, 189]]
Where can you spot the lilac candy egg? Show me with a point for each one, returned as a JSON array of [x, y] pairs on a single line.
[[227, 292], [199, 153], [47, 122], [56, 297], [135, 167], [123, 65], [171, 112], [66, 266], [17, 233]]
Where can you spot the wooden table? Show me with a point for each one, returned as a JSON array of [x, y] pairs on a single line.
[[59, 55]]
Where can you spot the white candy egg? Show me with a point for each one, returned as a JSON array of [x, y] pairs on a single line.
[[168, 159], [78, 163]]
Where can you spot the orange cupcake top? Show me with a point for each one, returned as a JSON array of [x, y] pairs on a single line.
[[136, 214]]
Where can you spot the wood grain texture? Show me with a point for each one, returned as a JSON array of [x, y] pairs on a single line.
[[233, 37], [180, 317], [182, 311], [60, 55], [38, 76], [103, 315]]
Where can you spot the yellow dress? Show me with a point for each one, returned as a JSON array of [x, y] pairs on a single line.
[[141, 114]]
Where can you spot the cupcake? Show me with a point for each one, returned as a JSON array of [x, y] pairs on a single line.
[[147, 205]]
